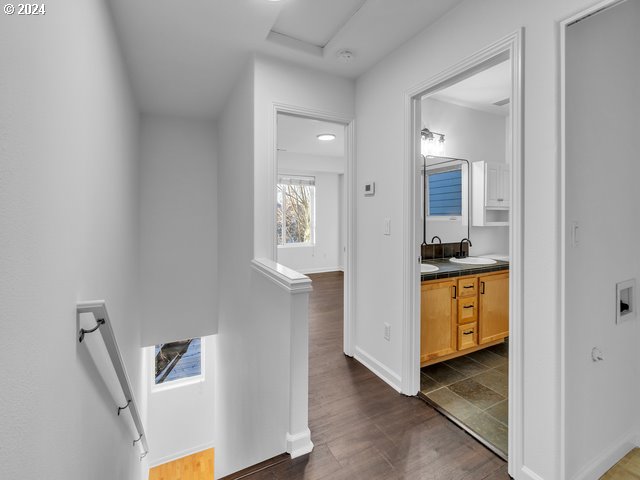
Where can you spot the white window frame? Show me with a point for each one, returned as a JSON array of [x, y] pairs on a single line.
[[312, 213], [180, 382]]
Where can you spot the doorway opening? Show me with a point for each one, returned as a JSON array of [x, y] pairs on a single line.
[[310, 207], [314, 214], [466, 228]]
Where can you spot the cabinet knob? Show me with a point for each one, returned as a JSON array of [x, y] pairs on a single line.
[[468, 333]]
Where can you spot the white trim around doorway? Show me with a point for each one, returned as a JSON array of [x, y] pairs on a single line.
[[510, 45], [349, 207]]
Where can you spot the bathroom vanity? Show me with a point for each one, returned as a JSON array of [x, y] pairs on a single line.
[[464, 308]]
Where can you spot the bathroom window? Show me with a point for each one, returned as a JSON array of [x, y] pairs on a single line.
[[445, 193], [179, 361], [295, 210]]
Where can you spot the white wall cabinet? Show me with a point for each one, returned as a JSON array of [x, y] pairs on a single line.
[[491, 193]]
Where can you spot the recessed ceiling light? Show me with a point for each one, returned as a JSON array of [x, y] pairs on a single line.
[[326, 137]]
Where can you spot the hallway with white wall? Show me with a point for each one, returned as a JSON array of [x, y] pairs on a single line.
[[72, 195]]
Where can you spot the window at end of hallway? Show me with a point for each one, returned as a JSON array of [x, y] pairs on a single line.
[[179, 362], [295, 211]]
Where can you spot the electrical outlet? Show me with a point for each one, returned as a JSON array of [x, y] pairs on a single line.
[[387, 332]]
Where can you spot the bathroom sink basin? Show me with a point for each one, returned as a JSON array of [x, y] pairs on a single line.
[[428, 268], [473, 260]]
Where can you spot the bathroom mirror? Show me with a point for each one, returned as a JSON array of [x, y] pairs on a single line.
[[445, 199]]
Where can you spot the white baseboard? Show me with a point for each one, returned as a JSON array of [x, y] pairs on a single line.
[[170, 458], [299, 444], [600, 464], [306, 271], [527, 474], [389, 377]]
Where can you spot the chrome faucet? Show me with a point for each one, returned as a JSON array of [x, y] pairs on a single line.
[[439, 239], [461, 253]]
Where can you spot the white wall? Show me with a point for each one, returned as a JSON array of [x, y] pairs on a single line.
[[470, 133], [324, 255], [381, 151], [304, 162], [251, 402], [236, 347], [181, 418], [281, 83], [475, 136], [178, 229], [603, 74], [68, 232], [342, 254]]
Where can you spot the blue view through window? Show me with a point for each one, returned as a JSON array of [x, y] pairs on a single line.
[[445, 193]]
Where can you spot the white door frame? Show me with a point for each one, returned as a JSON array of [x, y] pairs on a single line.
[[349, 207], [511, 45]]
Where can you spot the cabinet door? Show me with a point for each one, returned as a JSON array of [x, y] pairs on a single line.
[[494, 307], [504, 186], [492, 184], [438, 334]]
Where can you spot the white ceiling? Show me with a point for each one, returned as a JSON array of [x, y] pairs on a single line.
[[183, 57], [329, 17], [299, 135], [481, 90]]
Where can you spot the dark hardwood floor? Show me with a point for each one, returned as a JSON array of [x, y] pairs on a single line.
[[361, 427]]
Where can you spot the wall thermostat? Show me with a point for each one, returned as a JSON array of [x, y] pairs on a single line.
[[369, 189]]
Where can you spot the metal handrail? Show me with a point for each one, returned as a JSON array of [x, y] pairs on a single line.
[[103, 324]]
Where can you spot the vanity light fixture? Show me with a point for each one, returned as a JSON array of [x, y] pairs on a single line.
[[326, 137], [429, 145]]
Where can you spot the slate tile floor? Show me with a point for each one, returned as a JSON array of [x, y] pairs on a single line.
[[473, 389]]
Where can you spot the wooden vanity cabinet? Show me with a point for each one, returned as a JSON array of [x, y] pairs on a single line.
[[438, 307], [494, 307], [462, 315]]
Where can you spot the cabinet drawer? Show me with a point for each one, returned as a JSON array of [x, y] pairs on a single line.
[[467, 309], [467, 336], [467, 287]]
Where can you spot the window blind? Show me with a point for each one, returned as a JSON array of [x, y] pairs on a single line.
[[297, 180], [445, 193]]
